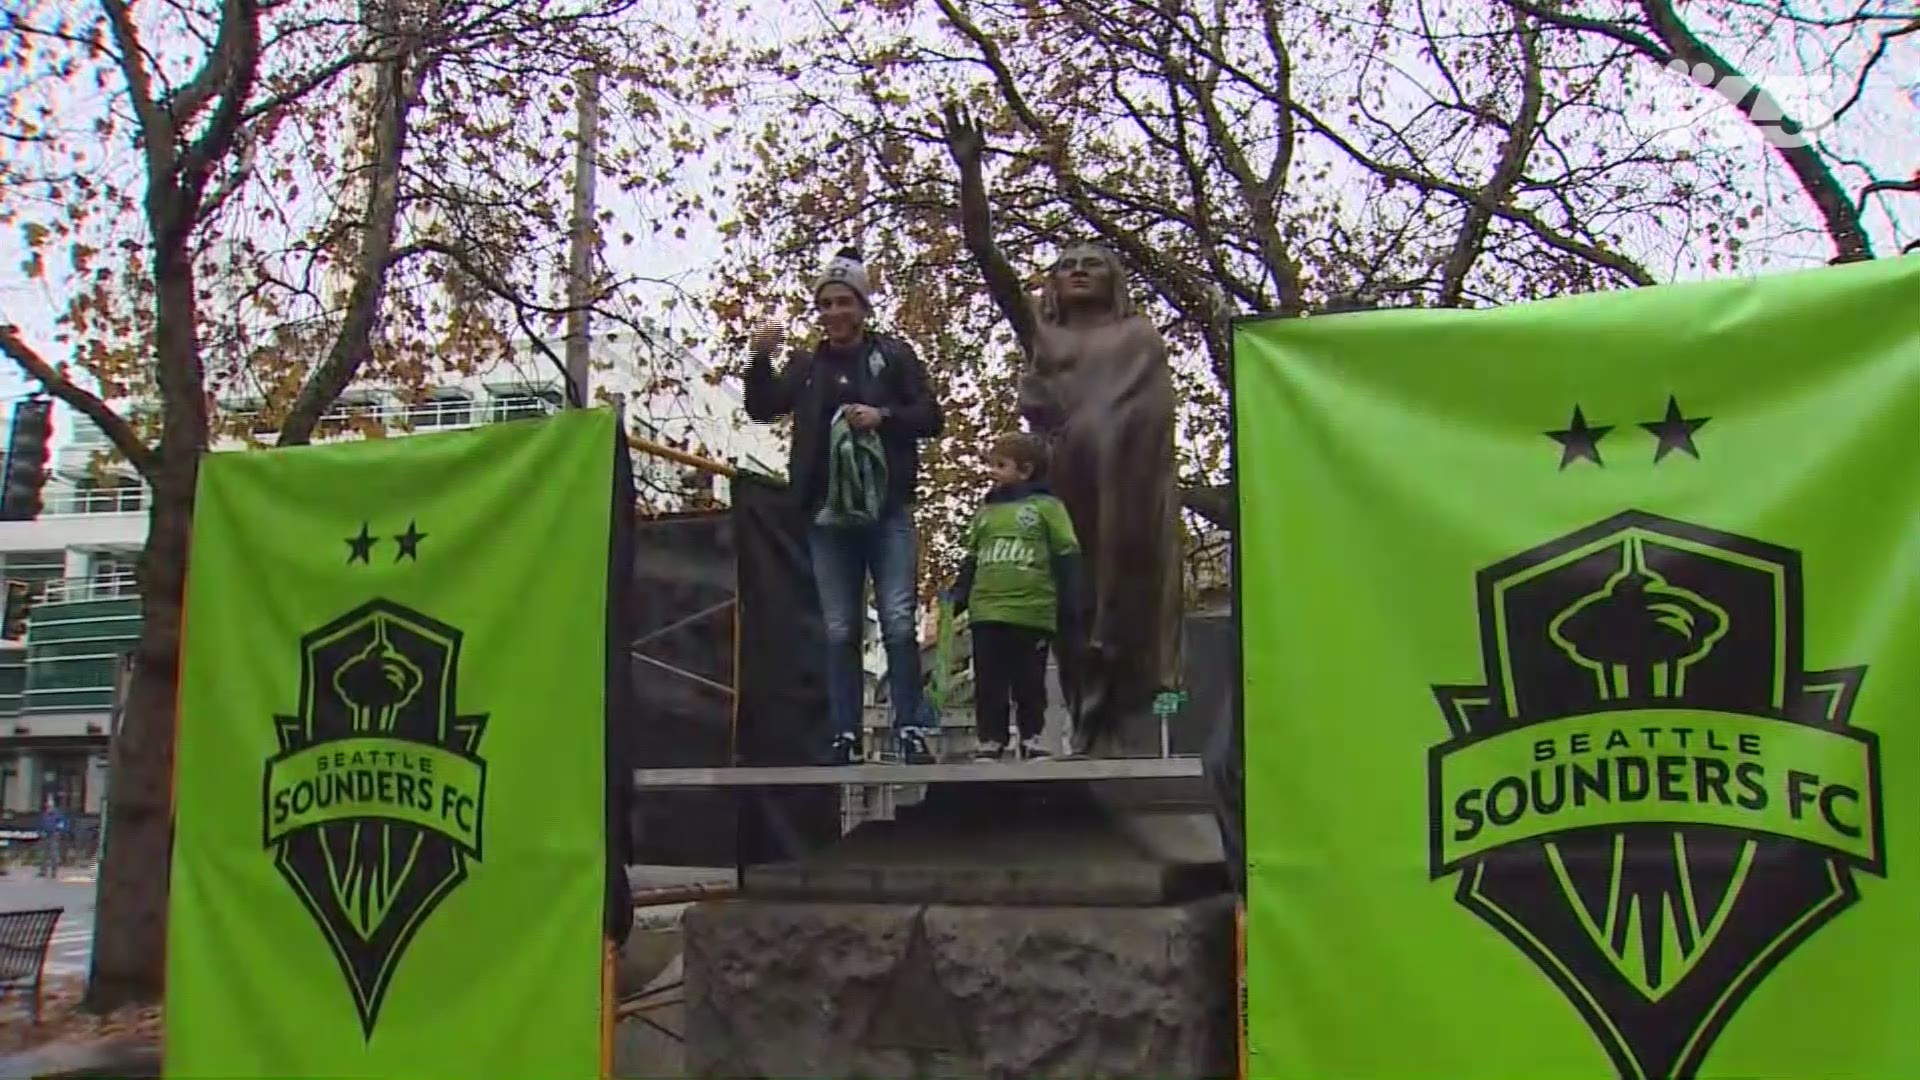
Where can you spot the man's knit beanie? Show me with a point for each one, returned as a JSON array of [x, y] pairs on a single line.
[[845, 268]]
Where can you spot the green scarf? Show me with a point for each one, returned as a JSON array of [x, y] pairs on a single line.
[[856, 476], [940, 681]]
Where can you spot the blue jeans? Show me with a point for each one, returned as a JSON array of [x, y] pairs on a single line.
[[842, 560]]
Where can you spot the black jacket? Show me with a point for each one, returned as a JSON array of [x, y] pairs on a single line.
[[799, 390]]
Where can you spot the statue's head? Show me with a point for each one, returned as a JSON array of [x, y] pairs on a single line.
[[1085, 276]]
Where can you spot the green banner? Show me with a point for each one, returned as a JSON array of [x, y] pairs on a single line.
[[1577, 680], [390, 852]]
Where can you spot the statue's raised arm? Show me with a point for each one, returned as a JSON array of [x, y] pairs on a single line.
[[967, 145]]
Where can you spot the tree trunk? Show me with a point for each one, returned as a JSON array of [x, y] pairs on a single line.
[[130, 924]]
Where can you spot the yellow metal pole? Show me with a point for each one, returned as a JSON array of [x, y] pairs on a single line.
[[1240, 983], [608, 1004], [692, 461]]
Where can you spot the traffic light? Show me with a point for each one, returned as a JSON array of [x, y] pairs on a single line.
[[19, 604], [28, 449]]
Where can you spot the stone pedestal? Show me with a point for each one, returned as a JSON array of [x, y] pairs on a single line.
[[1011, 931], [896, 991]]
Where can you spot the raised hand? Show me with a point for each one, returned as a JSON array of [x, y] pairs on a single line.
[[767, 335], [964, 139]]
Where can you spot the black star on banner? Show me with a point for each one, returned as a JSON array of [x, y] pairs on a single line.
[[1675, 431], [362, 546], [1579, 440], [409, 542]]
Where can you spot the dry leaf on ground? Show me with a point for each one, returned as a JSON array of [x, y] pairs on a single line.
[[62, 1020]]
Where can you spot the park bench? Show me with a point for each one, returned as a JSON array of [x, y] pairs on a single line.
[[24, 937]]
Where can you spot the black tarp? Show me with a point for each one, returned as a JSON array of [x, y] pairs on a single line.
[[682, 662], [690, 572], [1212, 728], [1211, 648], [782, 718], [620, 706], [1225, 765]]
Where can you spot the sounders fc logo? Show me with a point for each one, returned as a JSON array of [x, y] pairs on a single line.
[[372, 807], [1650, 796]]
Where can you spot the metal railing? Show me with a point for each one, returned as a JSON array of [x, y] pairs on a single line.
[[429, 416], [74, 502], [448, 412], [117, 585], [440, 415]]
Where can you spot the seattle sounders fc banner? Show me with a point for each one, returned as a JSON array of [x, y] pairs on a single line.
[[1581, 661], [391, 846]]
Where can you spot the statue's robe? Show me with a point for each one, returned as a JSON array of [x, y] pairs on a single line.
[[1104, 396]]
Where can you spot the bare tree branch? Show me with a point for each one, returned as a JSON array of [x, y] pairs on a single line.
[[1512, 163], [1612, 260], [307, 84], [237, 63], [1673, 40], [1255, 191], [1878, 186], [216, 71], [81, 400], [1841, 216], [1552, 15], [1192, 295], [396, 88], [156, 127]]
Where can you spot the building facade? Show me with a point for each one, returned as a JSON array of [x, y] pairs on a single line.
[[57, 685]]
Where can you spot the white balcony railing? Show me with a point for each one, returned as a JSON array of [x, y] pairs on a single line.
[[68, 502], [115, 585], [428, 416], [442, 415]]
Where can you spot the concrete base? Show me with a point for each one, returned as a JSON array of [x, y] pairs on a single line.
[[1011, 930], [789, 988], [1024, 844]]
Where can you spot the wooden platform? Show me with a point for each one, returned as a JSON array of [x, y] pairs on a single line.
[[882, 774]]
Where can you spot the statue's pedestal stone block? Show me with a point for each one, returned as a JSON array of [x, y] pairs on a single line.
[[1017, 931], [795, 989]]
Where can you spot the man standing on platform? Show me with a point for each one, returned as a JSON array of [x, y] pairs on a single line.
[[860, 404]]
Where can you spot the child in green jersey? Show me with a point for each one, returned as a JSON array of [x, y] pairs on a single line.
[[1021, 585]]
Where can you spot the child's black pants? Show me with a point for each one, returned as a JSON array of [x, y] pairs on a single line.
[[1009, 667]]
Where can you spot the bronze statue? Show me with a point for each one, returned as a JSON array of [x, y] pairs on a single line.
[[1097, 384]]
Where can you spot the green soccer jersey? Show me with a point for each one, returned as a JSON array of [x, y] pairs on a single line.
[[1014, 542]]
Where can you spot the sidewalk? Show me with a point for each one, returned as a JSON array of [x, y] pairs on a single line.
[[84, 874], [125, 1057], [67, 1039]]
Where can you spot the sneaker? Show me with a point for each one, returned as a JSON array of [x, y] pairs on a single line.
[[989, 751], [1035, 749], [914, 749], [846, 750]]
